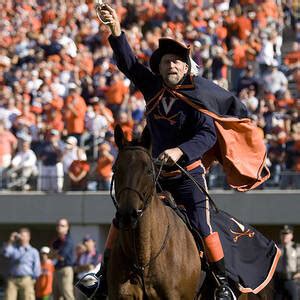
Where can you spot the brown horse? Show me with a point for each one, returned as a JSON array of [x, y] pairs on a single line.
[[155, 255]]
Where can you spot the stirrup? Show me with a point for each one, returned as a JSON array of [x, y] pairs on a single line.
[[224, 292], [88, 285]]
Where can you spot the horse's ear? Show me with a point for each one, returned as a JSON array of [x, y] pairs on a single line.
[[119, 137], [146, 138]]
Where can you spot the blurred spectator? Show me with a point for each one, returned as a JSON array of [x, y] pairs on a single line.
[[277, 153], [98, 119], [79, 249], [75, 109], [78, 172], [63, 248], [70, 153], [8, 144], [287, 276], [249, 80], [266, 54], [124, 119], [247, 96], [239, 61], [24, 266], [43, 286], [292, 58], [87, 261], [275, 82], [117, 92], [104, 167], [218, 67], [9, 112], [110, 139], [51, 168], [23, 166]]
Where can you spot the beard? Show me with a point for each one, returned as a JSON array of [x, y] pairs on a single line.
[[172, 79]]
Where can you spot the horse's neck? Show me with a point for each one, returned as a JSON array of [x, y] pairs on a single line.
[[147, 238]]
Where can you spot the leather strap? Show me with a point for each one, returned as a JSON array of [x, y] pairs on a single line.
[[174, 173]]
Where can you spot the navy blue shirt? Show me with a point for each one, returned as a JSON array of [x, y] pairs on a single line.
[[50, 154], [65, 249], [180, 126], [183, 127]]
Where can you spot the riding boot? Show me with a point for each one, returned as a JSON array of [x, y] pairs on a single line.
[[94, 285], [215, 255], [223, 291], [102, 290]]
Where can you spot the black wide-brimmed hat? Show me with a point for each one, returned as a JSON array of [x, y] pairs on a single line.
[[168, 46]]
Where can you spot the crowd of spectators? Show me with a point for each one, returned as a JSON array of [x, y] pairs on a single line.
[[61, 93], [51, 271]]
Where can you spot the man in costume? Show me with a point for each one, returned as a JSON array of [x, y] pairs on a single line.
[[182, 112]]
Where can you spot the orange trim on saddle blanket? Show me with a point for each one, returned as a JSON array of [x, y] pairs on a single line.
[[268, 278], [190, 167], [112, 236], [213, 247]]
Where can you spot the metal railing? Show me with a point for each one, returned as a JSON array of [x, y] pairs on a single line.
[[52, 183]]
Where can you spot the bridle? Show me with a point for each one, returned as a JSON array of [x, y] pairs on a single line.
[[144, 197]]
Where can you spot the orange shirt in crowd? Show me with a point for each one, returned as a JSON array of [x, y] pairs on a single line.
[[8, 143], [104, 167], [74, 114], [221, 32], [239, 56], [246, 2], [244, 27], [116, 92], [261, 18], [127, 129], [43, 285], [54, 121], [270, 8], [253, 45], [76, 168], [292, 58], [27, 118], [285, 102]]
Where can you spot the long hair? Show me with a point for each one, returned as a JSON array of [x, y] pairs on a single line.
[[195, 69]]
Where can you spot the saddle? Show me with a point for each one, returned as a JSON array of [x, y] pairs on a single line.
[[169, 201]]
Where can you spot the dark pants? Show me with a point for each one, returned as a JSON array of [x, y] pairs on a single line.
[[195, 202]]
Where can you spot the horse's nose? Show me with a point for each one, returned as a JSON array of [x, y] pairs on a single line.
[[127, 218]]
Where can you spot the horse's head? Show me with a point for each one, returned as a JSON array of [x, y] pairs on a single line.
[[134, 176]]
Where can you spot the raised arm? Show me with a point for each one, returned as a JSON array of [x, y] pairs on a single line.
[[127, 62]]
